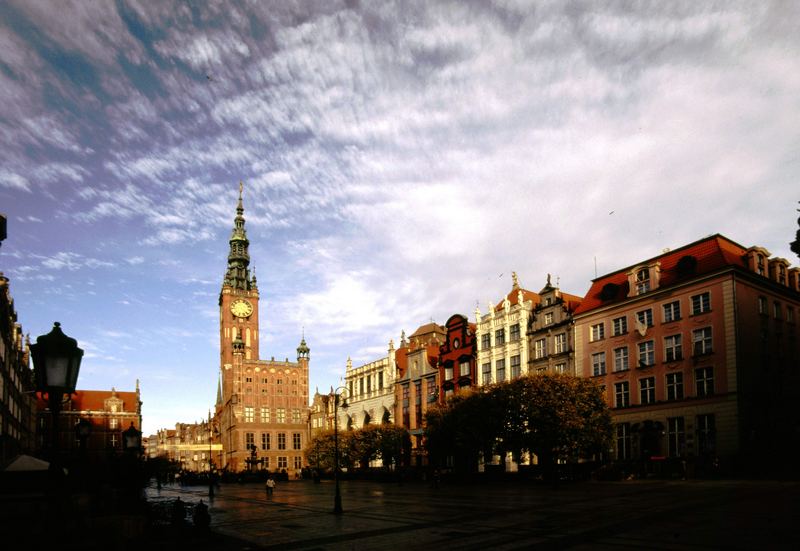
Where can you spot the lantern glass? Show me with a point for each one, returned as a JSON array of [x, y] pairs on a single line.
[[57, 369]]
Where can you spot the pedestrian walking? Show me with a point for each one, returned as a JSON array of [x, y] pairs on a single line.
[[270, 486]]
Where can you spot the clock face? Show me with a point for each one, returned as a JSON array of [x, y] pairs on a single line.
[[241, 308]]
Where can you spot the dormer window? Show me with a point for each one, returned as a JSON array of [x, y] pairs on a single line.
[[760, 265], [642, 281]]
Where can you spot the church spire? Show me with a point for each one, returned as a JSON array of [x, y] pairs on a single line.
[[238, 274]]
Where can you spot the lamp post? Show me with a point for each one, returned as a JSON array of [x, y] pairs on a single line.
[[211, 434], [57, 361], [340, 391]]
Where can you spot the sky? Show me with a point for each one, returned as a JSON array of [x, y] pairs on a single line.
[[399, 161]]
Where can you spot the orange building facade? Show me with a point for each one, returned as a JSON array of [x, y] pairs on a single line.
[[696, 350]]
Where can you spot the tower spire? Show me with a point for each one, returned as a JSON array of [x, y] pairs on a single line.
[[238, 274]]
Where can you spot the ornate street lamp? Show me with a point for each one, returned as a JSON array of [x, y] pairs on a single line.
[[340, 391], [132, 440], [56, 361]]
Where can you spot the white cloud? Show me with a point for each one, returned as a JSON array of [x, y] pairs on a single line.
[[12, 180]]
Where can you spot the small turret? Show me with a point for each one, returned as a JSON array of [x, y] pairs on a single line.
[[303, 352]]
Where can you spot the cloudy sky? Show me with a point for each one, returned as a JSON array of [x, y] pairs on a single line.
[[399, 161]]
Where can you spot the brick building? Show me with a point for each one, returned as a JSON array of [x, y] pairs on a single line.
[[262, 406], [457, 358]]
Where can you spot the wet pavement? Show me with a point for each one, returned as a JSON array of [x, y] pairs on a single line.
[[605, 515]]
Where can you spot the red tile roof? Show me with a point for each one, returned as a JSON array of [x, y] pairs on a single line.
[[711, 254], [92, 400]]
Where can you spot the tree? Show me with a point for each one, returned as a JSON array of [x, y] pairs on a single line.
[[555, 417], [359, 447]]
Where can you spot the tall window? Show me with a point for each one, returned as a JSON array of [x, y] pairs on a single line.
[[298, 461], [647, 353], [645, 317], [500, 337], [448, 371], [515, 371], [642, 281], [674, 386], [676, 436], [406, 414], [249, 414], [548, 318], [264, 414], [113, 423], [369, 384], [701, 341], [560, 368], [265, 441], [673, 349], [514, 332], [380, 380], [283, 462], [500, 368], [790, 314], [623, 441], [463, 368], [249, 440], [597, 332], [647, 390], [295, 416], [620, 325], [701, 303], [486, 341], [776, 310], [599, 363], [672, 311], [560, 341], [281, 440], [296, 441], [539, 348], [704, 381], [280, 415], [706, 433], [486, 375], [621, 358], [622, 395], [762, 305]]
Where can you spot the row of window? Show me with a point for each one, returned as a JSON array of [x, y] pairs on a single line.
[[365, 384], [500, 370], [500, 337], [265, 417], [463, 370], [705, 437], [703, 379], [265, 380], [702, 344], [266, 441], [670, 312], [540, 345], [777, 309]]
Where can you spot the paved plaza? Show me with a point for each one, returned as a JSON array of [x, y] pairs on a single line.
[[592, 515]]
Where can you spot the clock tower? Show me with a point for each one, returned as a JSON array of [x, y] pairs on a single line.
[[262, 405], [238, 299]]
